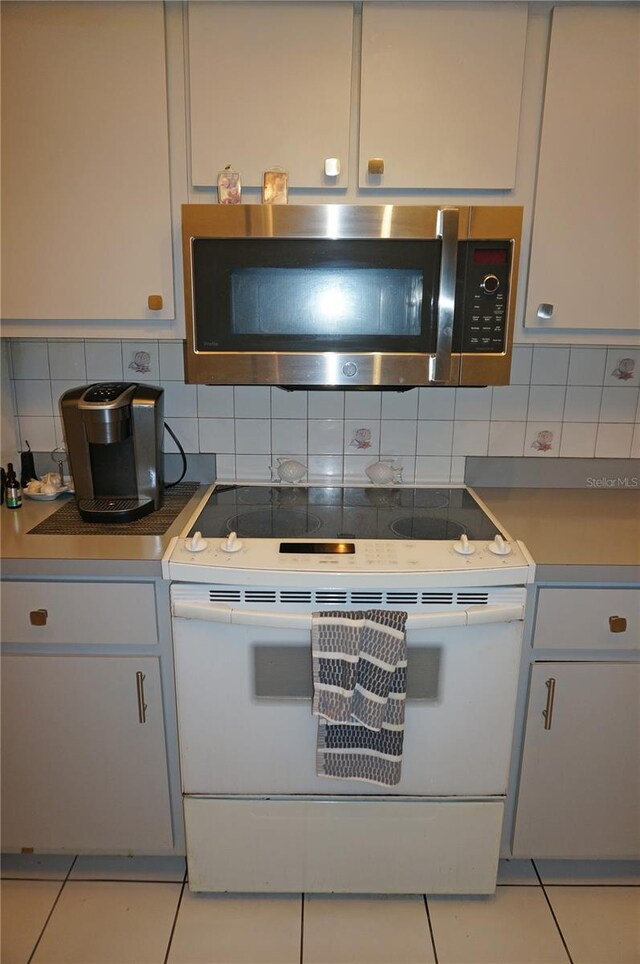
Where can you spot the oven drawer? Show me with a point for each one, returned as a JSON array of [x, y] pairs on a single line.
[[362, 846]]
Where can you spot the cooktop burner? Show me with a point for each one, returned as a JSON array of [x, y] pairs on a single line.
[[332, 512]]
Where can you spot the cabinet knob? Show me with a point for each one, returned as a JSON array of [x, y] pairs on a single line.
[[332, 166], [375, 165], [545, 311], [38, 617], [155, 302], [617, 624]]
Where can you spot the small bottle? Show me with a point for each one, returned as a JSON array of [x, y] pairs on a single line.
[[13, 492]]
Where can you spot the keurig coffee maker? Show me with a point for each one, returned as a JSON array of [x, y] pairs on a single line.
[[114, 441]]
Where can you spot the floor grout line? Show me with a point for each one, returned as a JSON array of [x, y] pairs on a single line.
[[175, 919], [553, 914], [53, 907], [431, 934], [302, 928]]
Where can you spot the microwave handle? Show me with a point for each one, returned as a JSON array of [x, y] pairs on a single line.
[[447, 229]]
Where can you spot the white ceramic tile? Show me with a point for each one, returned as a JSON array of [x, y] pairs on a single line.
[[438, 403], [473, 404], [321, 468], [36, 866], [30, 358], [512, 926], [509, 403], [288, 435], [237, 929], [613, 441], [617, 406], [635, 443], [361, 436], [328, 404], [400, 404], [150, 869], [542, 439], [253, 468], [431, 469], [325, 436], [582, 404], [215, 401], [546, 403], [506, 438], [578, 440], [66, 361], [58, 388], [599, 924], [5, 357], [252, 401], [435, 438], [622, 369], [33, 397], [140, 361], [225, 468], [104, 361], [366, 405], [587, 366], [521, 361], [398, 437], [589, 871], [458, 466], [58, 428], [517, 872], [366, 930], [288, 404], [171, 361], [25, 906], [253, 436], [470, 438], [39, 430], [355, 466], [180, 400], [110, 922], [217, 435], [186, 429], [550, 365]]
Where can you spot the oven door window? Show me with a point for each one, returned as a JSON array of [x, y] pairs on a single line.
[[270, 294]]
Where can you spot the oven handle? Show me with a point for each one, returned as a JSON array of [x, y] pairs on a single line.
[[217, 613]]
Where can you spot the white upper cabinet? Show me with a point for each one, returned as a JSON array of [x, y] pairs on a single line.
[[86, 218], [270, 86], [440, 94], [585, 254]]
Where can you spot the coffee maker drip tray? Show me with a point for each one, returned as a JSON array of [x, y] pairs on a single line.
[[114, 510]]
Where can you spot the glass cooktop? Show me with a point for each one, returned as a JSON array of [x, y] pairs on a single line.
[[332, 512]]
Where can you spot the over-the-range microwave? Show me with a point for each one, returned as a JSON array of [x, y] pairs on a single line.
[[349, 296]]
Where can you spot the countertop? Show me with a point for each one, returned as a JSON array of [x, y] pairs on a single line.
[[572, 533]]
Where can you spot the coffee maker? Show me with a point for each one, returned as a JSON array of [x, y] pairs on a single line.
[[114, 441]]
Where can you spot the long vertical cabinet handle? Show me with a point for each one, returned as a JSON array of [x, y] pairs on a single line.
[[548, 710], [142, 706], [447, 229]]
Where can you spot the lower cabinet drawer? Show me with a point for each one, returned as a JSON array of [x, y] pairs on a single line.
[[285, 845], [79, 612], [588, 619]]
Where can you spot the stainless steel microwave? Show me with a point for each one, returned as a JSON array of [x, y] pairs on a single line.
[[349, 296]]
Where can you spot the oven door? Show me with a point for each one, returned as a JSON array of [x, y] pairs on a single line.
[[244, 702]]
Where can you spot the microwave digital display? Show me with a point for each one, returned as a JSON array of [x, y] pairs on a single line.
[[490, 256]]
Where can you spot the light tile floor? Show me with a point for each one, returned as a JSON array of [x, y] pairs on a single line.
[[119, 910]]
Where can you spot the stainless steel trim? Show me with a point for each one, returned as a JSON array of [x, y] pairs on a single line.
[[142, 706], [440, 363], [547, 712]]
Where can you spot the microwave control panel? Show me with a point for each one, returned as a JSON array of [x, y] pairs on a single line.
[[483, 275]]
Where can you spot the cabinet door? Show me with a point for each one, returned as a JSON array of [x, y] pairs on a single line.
[[441, 89], [585, 253], [579, 790], [270, 85], [86, 219], [80, 771]]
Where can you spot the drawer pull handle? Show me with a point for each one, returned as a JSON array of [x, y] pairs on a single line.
[[617, 624], [548, 710], [142, 706], [38, 617]]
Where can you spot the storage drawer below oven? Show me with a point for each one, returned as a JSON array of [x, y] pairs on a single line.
[[359, 845]]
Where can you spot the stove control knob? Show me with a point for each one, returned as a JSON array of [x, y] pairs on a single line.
[[464, 547], [196, 543], [231, 543], [499, 547]]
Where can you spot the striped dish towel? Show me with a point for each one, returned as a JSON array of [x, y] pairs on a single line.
[[359, 693]]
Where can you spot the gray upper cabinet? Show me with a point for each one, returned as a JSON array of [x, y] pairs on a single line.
[[86, 217], [441, 87], [270, 86]]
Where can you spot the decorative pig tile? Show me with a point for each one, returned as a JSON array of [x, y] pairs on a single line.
[[542, 439], [623, 367]]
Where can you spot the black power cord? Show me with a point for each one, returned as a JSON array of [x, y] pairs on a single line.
[[170, 485]]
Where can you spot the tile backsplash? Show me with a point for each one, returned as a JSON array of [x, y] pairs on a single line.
[[580, 402]]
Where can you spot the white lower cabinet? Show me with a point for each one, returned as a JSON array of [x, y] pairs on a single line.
[[579, 792], [84, 764]]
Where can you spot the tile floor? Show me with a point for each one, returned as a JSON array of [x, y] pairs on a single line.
[[136, 910]]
